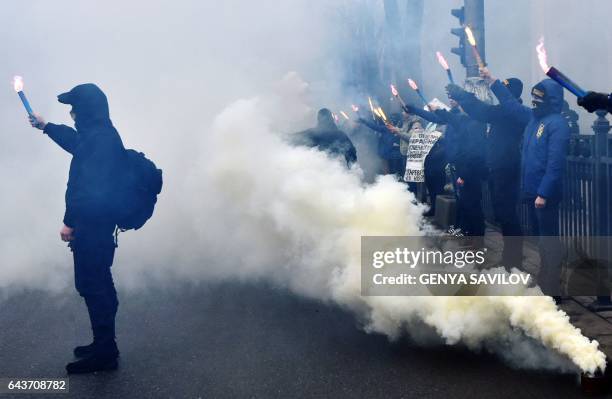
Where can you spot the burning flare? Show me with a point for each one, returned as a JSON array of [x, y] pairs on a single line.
[[413, 84], [355, 108], [470, 36], [542, 56], [18, 83], [371, 105], [382, 114], [344, 115], [394, 91], [442, 60]]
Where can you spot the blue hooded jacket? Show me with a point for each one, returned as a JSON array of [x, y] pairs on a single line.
[[545, 140]]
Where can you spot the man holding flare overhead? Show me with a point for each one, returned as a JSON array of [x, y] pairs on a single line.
[[545, 144], [503, 160]]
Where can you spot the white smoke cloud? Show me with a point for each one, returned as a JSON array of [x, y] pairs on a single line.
[[296, 217], [237, 203]]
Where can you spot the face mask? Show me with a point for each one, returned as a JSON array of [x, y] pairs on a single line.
[[540, 109]]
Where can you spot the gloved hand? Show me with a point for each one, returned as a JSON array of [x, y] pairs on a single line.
[[409, 109], [594, 101], [455, 92], [441, 113], [37, 121]]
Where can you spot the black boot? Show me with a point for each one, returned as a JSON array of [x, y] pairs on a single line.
[[92, 364], [84, 351], [88, 350]]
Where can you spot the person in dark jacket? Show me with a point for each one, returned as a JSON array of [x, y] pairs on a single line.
[[545, 145], [97, 154], [388, 147], [328, 138], [503, 159], [464, 142], [594, 101]]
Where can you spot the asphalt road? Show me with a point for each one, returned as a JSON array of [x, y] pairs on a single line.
[[244, 341]]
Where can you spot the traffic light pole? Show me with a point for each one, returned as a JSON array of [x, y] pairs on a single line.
[[472, 15]]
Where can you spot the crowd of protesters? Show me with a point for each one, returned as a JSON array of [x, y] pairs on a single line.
[[519, 151]]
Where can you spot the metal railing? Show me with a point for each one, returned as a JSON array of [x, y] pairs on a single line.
[[586, 209]]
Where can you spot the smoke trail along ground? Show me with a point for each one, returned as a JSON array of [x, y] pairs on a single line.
[[296, 217], [263, 210]]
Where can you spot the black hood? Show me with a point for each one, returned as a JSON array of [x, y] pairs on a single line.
[[89, 105], [515, 85], [325, 120]]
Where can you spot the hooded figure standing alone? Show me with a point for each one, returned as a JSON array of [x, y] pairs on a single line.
[[97, 155]]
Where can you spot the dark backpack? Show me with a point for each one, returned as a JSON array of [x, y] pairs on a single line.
[[139, 186]]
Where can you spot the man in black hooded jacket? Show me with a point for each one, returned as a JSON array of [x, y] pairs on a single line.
[[504, 139], [97, 155], [464, 138]]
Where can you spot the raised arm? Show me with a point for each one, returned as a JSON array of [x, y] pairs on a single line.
[[64, 136], [374, 126], [475, 108], [428, 116], [510, 104]]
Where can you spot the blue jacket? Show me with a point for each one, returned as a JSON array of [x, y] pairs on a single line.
[[545, 141], [465, 140], [505, 134]]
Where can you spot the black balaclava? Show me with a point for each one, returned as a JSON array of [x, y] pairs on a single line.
[[547, 98]]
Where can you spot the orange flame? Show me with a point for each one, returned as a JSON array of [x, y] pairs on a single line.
[[344, 115], [442, 61], [394, 91], [413, 84], [382, 114], [335, 117], [355, 108], [18, 83], [470, 36], [542, 55]]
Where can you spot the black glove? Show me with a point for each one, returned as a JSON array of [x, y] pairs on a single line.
[[409, 109], [441, 113], [455, 92], [594, 101]]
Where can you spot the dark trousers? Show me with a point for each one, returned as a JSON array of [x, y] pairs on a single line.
[[470, 217], [545, 222], [504, 187], [93, 251], [397, 166], [435, 179]]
